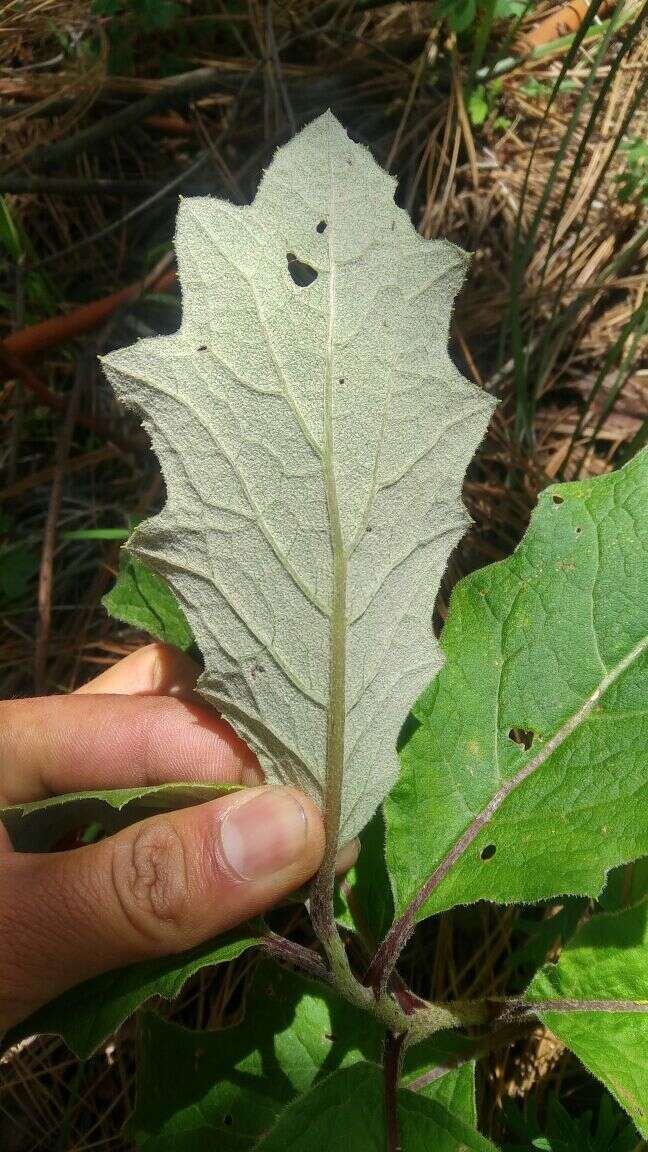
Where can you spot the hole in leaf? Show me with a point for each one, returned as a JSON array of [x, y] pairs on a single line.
[[558, 499], [341, 380], [522, 737], [488, 852], [228, 1119], [302, 274], [579, 530], [201, 348], [321, 227]]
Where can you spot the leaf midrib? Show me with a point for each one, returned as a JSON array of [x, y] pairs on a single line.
[[337, 643]]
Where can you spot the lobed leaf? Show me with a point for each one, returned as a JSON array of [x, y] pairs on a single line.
[[595, 999], [313, 435], [40, 825], [527, 774]]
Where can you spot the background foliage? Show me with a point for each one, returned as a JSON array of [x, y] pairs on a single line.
[[515, 132]]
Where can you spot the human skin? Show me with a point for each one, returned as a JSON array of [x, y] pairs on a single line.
[[165, 884]]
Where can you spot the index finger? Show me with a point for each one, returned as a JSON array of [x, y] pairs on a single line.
[[59, 744], [155, 670]]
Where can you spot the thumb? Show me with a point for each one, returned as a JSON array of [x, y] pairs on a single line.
[[158, 887]]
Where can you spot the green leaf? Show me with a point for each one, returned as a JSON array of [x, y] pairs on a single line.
[[313, 434], [596, 1002], [144, 600], [478, 105], [348, 1108], [40, 825], [224, 1089], [87, 1015], [511, 9], [461, 14], [365, 902], [198, 1090], [455, 1089], [530, 752]]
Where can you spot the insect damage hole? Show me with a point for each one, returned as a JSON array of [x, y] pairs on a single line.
[[521, 736], [301, 274], [488, 852], [321, 227], [558, 499]]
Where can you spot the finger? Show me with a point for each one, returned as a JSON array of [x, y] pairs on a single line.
[[157, 888], [61, 744], [155, 670]]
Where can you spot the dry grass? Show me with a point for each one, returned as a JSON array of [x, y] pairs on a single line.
[[88, 218]]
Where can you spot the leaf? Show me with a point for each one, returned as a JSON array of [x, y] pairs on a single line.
[[225, 1088], [478, 104], [313, 435], [455, 1089], [144, 600], [460, 14], [200, 1090], [87, 1015], [526, 777], [596, 1001], [510, 9], [350, 1102], [40, 825], [364, 899]]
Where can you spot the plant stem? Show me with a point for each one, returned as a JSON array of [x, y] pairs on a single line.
[[392, 1056], [290, 952], [408, 1015]]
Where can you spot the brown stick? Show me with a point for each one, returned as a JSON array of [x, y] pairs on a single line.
[[49, 333]]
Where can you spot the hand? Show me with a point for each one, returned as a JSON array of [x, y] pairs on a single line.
[[164, 884]]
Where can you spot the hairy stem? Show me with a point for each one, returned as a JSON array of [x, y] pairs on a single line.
[[403, 1015], [287, 951]]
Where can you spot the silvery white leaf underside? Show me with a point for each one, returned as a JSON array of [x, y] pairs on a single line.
[[313, 435]]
